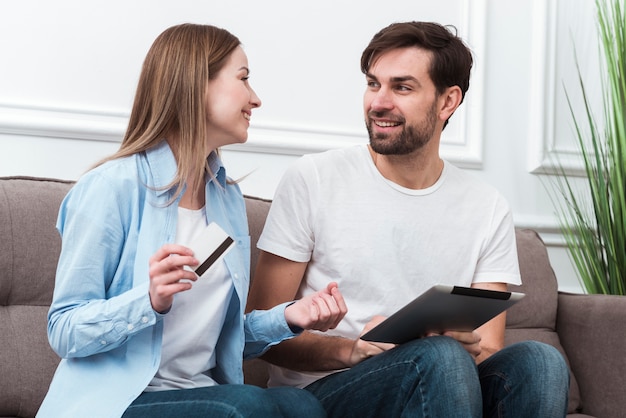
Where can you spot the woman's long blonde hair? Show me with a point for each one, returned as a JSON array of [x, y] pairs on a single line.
[[170, 98]]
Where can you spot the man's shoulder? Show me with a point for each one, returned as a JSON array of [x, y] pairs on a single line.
[[472, 188], [344, 157], [351, 152], [467, 179]]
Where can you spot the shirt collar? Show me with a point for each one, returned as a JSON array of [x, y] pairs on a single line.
[[217, 168]]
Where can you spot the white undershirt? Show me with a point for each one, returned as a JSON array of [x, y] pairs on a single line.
[[193, 325]]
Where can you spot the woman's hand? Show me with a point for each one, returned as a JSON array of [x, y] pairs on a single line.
[[321, 311], [167, 274]]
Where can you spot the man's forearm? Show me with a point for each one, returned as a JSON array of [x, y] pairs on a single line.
[[312, 352]]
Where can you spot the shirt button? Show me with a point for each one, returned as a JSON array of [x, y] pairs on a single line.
[[130, 327], [103, 342], [144, 319], [236, 275]]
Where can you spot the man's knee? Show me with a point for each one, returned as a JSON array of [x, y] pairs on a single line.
[[439, 351], [543, 360], [538, 366]]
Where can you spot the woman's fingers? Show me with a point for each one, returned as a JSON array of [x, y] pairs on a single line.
[[168, 275]]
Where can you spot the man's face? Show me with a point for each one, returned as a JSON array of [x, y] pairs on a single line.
[[400, 102]]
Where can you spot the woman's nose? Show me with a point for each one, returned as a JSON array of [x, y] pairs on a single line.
[[255, 101]]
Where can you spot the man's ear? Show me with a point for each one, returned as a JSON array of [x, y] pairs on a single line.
[[449, 101]]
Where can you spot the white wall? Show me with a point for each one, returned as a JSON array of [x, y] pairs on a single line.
[[69, 70]]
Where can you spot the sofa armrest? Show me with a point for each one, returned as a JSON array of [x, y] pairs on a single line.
[[592, 329]]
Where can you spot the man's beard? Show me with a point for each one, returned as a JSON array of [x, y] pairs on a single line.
[[412, 137]]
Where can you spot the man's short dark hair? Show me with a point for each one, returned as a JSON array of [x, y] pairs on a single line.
[[452, 59]]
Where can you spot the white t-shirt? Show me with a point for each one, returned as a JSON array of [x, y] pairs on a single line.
[[193, 325], [382, 243]]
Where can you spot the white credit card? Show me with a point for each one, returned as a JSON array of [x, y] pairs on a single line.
[[210, 246]]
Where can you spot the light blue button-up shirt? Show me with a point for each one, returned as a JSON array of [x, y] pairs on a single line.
[[101, 322]]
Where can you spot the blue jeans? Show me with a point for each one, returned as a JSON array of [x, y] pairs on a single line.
[[436, 377], [233, 401]]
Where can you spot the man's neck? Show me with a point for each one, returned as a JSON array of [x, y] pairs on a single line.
[[416, 171]]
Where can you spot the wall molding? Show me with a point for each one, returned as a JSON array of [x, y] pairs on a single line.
[[462, 141], [544, 156], [268, 138], [49, 122]]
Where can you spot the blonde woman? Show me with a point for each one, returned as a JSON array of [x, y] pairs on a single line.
[[139, 333]]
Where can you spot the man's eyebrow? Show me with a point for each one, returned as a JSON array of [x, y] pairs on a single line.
[[403, 79], [398, 79]]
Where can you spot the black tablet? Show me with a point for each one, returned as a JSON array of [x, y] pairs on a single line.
[[442, 308]]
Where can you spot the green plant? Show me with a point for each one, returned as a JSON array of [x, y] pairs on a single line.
[[594, 222]]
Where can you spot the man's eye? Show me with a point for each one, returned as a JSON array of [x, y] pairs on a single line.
[[372, 84]]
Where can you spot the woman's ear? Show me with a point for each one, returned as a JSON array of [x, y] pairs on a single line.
[[449, 101]]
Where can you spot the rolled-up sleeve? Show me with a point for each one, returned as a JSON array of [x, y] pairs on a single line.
[[263, 329]]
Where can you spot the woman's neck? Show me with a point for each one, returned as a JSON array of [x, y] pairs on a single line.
[[191, 200]]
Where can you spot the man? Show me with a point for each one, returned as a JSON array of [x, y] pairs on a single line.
[[387, 221]]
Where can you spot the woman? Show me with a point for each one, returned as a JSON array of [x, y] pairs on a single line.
[[139, 333]]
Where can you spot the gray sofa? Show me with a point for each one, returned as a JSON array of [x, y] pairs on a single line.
[[589, 329]]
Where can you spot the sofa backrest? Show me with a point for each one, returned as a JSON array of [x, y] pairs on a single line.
[[29, 248], [534, 317]]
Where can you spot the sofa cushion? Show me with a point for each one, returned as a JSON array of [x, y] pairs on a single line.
[[29, 248], [534, 317]]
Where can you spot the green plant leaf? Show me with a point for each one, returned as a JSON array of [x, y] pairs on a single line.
[[593, 222]]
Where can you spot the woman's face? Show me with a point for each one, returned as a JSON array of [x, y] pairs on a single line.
[[229, 102]]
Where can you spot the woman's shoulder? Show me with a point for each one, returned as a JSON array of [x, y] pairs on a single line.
[[118, 174]]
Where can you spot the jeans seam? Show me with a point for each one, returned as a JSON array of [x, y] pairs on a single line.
[[505, 386], [232, 411]]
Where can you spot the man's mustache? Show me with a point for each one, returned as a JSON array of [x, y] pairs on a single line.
[[388, 116]]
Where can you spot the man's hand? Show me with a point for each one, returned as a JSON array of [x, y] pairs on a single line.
[[166, 274], [470, 340], [362, 350], [320, 311]]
